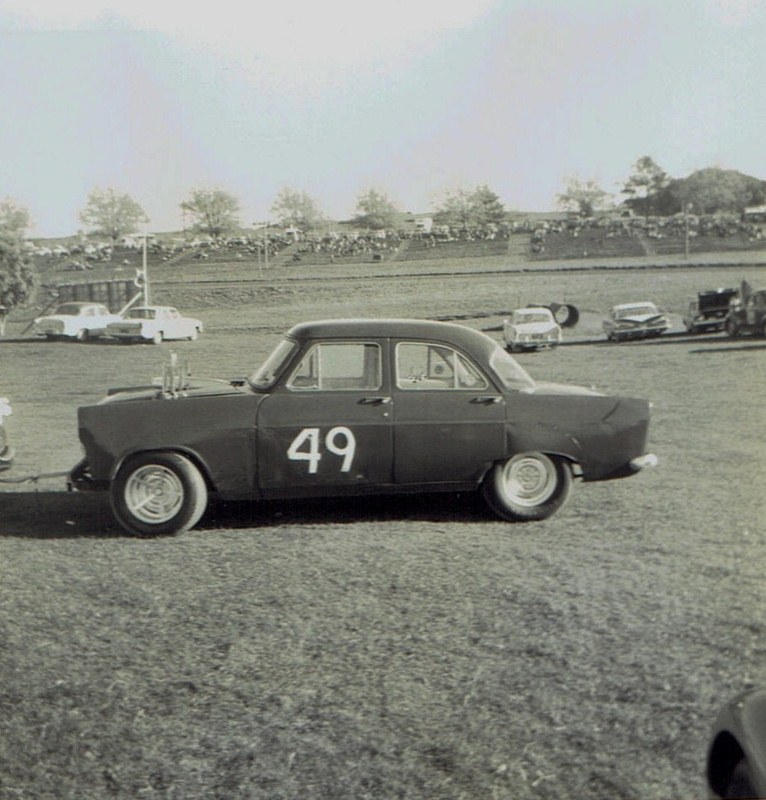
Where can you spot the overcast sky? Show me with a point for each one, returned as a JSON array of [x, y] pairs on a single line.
[[411, 97]]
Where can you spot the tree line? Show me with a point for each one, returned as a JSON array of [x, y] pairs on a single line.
[[648, 191]]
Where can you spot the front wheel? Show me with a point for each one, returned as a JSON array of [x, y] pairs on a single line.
[[528, 486], [157, 337], [158, 494], [731, 328]]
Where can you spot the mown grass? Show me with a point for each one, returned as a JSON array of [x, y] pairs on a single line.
[[410, 648]]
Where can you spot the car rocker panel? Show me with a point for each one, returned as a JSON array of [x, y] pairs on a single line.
[[346, 407]]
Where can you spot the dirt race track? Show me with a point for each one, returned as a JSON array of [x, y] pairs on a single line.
[[411, 648]]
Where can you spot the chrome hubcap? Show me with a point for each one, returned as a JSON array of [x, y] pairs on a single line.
[[529, 480], [154, 494]]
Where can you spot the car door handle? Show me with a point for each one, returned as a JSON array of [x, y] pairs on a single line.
[[375, 401], [486, 399]]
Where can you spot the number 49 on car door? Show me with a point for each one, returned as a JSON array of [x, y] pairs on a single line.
[[329, 424]]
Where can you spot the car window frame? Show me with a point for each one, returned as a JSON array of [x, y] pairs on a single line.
[[314, 347], [421, 386]]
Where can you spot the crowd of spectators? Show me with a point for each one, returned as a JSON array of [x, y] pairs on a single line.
[[677, 226]]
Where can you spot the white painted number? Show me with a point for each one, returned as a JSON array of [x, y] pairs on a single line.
[[310, 436]]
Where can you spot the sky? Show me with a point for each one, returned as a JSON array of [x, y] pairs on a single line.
[[414, 98]]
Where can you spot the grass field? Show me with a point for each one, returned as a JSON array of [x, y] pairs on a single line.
[[411, 648]]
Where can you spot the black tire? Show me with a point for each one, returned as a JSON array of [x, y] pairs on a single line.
[[528, 486], [81, 335], [156, 494], [731, 328], [740, 786]]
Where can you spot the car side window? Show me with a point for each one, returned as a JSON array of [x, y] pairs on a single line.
[[434, 366], [347, 366]]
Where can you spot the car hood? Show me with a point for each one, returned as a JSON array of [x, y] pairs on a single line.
[[640, 319], [534, 327], [197, 387]]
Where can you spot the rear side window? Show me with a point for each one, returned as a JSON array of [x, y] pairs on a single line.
[[421, 365], [339, 366]]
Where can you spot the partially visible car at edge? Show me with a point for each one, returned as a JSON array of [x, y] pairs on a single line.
[[154, 324], [747, 315], [531, 328], [356, 407], [707, 312], [7, 452], [75, 320], [635, 321], [736, 759]]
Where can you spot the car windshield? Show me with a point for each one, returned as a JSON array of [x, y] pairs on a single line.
[[636, 311], [141, 313], [509, 371], [524, 317], [70, 310], [266, 375]]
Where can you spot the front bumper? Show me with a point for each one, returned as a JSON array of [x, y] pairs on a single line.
[[6, 457], [642, 462]]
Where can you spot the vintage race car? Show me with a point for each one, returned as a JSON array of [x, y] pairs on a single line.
[[736, 760], [531, 328], [76, 320], [154, 324], [634, 321], [354, 407], [6, 450]]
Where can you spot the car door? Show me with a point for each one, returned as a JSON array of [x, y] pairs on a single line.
[[449, 419], [327, 428]]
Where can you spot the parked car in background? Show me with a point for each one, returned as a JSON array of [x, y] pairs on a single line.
[[736, 759], [531, 328], [747, 314], [154, 324], [6, 450], [635, 321], [357, 407], [708, 311], [75, 320]]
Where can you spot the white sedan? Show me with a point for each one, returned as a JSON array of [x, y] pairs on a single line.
[[77, 320], [154, 324], [531, 328]]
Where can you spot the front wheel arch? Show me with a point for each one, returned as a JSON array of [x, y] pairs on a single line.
[[528, 486]]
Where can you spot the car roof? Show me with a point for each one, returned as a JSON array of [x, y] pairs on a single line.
[[634, 305], [459, 335]]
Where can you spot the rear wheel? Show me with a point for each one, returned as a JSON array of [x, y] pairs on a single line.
[[81, 335], [732, 329], [528, 486], [158, 494], [157, 338]]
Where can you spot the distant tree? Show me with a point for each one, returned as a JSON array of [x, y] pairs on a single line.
[[488, 207], [17, 276], [582, 197], [456, 209], [297, 209], [645, 187], [467, 208], [213, 211], [112, 214], [714, 190], [14, 219], [375, 210]]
